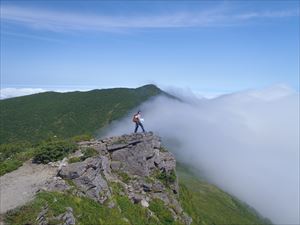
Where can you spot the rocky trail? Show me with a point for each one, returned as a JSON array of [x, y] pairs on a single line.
[[20, 186]]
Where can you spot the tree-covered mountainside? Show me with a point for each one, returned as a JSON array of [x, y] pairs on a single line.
[[39, 116]]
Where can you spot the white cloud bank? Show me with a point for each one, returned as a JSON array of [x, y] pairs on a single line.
[[247, 143]]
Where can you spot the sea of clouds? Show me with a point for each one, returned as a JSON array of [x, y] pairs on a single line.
[[247, 143]]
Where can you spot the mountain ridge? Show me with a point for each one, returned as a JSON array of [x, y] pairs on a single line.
[[36, 117]]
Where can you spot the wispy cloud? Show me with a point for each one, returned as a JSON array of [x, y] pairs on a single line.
[[65, 21], [36, 37]]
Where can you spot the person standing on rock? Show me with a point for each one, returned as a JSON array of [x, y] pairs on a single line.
[[137, 120]]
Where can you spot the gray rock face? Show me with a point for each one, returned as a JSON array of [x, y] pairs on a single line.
[[73, 170], [141, 157], [41, 218], [88, 177], [68, 217], [137, 162], [56, 184]]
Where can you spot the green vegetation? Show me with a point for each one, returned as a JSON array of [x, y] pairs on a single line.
[[167, 177], [124, 176], [12, 156], [161, 211], [138, 215], [40, 116], [53, 151], [74, 160], [28, 121], [9, 165], [163, 149], [207, 204], [135, 213], [87, 153], [86, 211]]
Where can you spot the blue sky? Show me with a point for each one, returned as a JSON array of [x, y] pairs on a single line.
[[222, 46]]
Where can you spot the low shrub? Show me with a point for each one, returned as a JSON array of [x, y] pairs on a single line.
[[88, 152], [124, 176], [12, 156], [74, 160], [9, 150], [9, 165], [53, 151], [163, 149], [167, 177]]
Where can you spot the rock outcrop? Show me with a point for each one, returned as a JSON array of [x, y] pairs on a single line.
[[136, 162]]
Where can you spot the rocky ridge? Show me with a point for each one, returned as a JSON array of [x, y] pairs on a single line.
[[137, 164]]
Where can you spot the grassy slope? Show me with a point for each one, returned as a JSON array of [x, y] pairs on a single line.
[[40, 116], [205, 203], [208, 205], [88, 212]]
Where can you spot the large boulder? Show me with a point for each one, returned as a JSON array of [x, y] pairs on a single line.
[[137, 162], [88, 178]]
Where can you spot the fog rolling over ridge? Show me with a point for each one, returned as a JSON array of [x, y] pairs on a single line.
[[247, 143]]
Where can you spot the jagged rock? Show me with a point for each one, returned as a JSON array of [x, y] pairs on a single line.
[[174, 186], [98, 145], [144, 203], [158, 187], [73, 170], [139, 159], [88, 178], [77, 154], [187, 220], [176, 206], [136, 162], [56, 184], [147, 187], [137, 198], [162, 196], [111, 204], [41, 218], [115, 165], [67, 217], [166, 161]]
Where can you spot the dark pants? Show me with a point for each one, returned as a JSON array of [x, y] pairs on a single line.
[[137, 124]]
